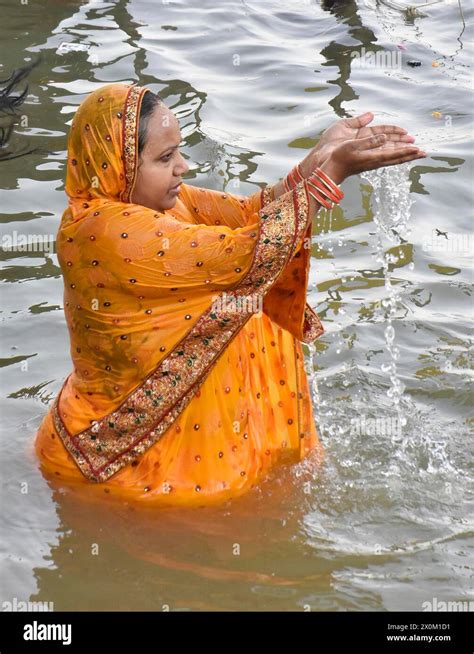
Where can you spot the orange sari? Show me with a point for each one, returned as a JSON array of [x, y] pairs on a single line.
[[185, 328]]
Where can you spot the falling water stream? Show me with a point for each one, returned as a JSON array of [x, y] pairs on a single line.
[[394, 462], [392, 204]]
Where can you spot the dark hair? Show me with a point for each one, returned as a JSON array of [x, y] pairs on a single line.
[[9, 104], [149, 102]]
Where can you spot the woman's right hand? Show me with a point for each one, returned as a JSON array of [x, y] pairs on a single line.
[[358, 155]]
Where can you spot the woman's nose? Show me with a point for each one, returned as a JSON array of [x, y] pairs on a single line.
[[183, 166]]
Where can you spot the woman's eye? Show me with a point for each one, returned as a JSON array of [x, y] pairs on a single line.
[[167, 157]]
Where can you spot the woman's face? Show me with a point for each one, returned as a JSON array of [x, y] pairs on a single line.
[[162, 166]]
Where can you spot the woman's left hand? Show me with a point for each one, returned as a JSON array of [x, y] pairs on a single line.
[[350, 129]]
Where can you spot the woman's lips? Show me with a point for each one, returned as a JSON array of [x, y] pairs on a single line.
[[176, 189]]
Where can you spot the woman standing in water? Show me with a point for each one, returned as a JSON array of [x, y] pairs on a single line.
[[186, 307]]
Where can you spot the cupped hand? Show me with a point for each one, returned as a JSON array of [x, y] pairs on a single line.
[[349, 129], [361, 154]]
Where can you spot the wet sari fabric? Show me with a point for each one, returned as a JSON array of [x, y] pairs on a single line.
[[185, 327]]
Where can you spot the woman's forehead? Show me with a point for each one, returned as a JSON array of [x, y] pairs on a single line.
[[163, 129], [163, 119]]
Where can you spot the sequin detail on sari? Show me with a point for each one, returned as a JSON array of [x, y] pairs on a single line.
[[267, 195], [144, 416]]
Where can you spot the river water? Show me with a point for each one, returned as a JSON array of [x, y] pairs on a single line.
[[387, 524]]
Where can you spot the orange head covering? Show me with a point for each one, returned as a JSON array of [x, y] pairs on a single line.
[[103, 146]]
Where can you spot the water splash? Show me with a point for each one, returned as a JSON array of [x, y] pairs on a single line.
[[362, 420], [393, 202], [312, 377], [327, 229], [392, 209]]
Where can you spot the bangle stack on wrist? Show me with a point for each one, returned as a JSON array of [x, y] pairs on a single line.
[[323, 189], [318, 184], [294, 177]]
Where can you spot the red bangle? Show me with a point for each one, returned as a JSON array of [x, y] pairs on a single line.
[[293, 178], [322, 188], [298, 175], [329, 183], [319, 185], [320, 199], [336, 193]]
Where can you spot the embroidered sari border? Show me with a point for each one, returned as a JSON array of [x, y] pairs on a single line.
[[267, 195], [130, 137], [312, 325]]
